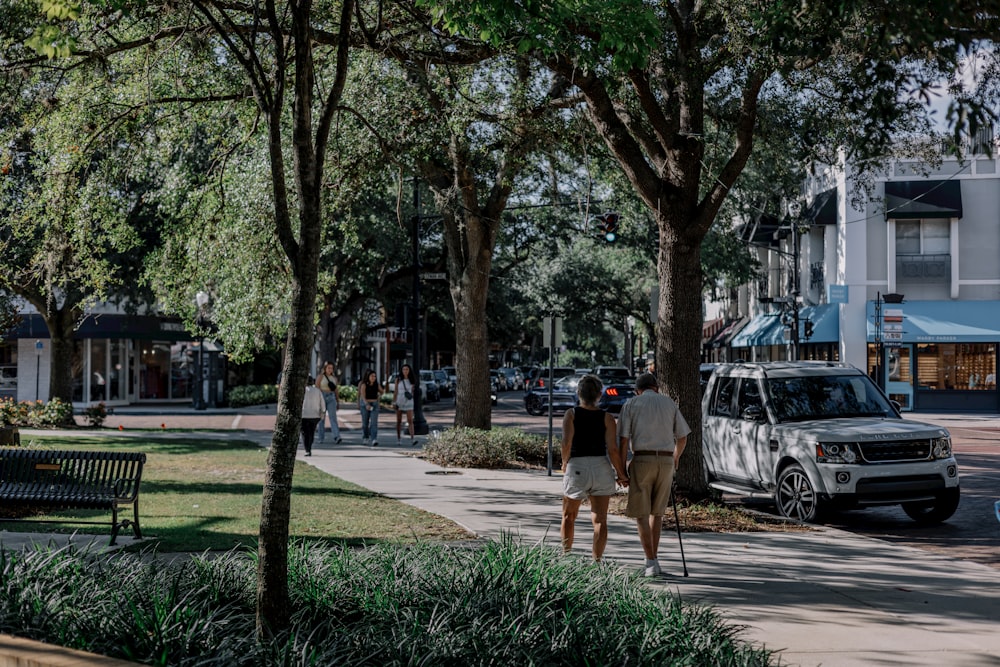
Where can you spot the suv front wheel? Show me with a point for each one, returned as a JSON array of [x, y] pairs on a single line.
[[795, 496], [939, 510]]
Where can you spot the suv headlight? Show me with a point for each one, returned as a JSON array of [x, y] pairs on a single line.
[[941, 448], [836, 452]]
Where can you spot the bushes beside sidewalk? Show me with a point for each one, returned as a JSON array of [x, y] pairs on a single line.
[[501, 447], [429, 604]]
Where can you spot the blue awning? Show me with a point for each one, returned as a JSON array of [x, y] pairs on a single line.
[[942, 321], [768, 329], [826, 322]]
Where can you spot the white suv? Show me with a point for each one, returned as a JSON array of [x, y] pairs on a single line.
[[816, 435]]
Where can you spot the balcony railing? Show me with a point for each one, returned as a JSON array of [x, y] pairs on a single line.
[[923, 268]]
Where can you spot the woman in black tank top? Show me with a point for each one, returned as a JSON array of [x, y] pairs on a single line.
[[591, 462]]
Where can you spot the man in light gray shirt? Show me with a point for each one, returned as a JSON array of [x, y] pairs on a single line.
[[657, 432]]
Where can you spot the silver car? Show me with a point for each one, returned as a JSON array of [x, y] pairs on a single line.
[[818, 435]]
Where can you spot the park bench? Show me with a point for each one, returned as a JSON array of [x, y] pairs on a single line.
[[63, 479]]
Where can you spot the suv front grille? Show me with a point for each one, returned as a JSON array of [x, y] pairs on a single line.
[[895, 451]]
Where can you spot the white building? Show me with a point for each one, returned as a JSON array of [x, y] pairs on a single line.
[[912, 272]]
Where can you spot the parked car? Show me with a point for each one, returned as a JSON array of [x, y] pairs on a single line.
[[613, 374], [615, 394], [539, 376], [818, 435], [536, 401], [705, 372], [515, 379], [498, 380], [452, 375], [429, 386], [444, 383]]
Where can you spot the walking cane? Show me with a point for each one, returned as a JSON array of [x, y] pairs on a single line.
[[677, 522]]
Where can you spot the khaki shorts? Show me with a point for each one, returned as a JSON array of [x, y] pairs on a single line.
[[589, 476], [650, 479]]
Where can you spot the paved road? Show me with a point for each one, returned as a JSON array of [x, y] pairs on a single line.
[[973, 533]]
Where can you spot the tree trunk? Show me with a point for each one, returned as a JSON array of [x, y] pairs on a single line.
[[62, 325], [472, 399], [273, 604], [678, 349]]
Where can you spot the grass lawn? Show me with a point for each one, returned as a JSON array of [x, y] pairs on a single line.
[[202, 494]]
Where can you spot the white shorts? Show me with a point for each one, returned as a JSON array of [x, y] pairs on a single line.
[[589, 476]]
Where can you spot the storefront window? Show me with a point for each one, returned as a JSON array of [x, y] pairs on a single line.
[[98, 370], [181, 370], [154, 371], [117, 390], [968, 366], [8, 369]]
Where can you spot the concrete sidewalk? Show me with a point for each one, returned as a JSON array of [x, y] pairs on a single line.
[[825, 597]]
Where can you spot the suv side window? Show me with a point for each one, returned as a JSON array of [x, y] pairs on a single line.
[[749, 396], [722, 401]]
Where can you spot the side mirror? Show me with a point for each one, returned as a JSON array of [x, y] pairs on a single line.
[[753, 413]]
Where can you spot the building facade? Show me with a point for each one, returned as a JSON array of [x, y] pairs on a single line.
[[904, 283], [119, 359]]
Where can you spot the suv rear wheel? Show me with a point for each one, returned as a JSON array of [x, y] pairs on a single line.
[[934, 512], [795, 496]]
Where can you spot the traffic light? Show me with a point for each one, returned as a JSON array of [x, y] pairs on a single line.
[[609, 226]]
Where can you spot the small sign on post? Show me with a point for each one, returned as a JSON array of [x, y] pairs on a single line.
[[433, 276]]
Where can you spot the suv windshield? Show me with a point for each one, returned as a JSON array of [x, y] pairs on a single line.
[[826, 397]]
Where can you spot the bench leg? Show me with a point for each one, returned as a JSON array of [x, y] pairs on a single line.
[[135, 523], [115, 526]]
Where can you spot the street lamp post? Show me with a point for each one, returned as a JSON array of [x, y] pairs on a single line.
[[201, 301]]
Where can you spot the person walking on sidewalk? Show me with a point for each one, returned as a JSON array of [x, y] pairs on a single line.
[[313, 411], [327, 383], [402, 399], [590, 464], [656, 430], [369, 392]]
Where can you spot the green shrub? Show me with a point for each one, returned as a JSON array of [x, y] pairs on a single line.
[[252, 394], [347, 394], [501, 447], [96, 414], [500, 603]]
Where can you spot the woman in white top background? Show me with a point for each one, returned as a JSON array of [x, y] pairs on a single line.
[[402, 399]]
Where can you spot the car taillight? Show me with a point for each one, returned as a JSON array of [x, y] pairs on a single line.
[[612, 391], [541, 384]]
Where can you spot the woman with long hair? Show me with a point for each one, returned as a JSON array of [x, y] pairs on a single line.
[[402, 399]]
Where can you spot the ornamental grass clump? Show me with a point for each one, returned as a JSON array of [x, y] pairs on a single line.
[[499, 603], [501, 447]]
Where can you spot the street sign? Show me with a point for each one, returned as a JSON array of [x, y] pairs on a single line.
[[892, 335], [433, 276]]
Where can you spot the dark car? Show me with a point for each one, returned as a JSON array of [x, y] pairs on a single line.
[[536, 401], [614, 395], [444, 382], [540, 376]]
